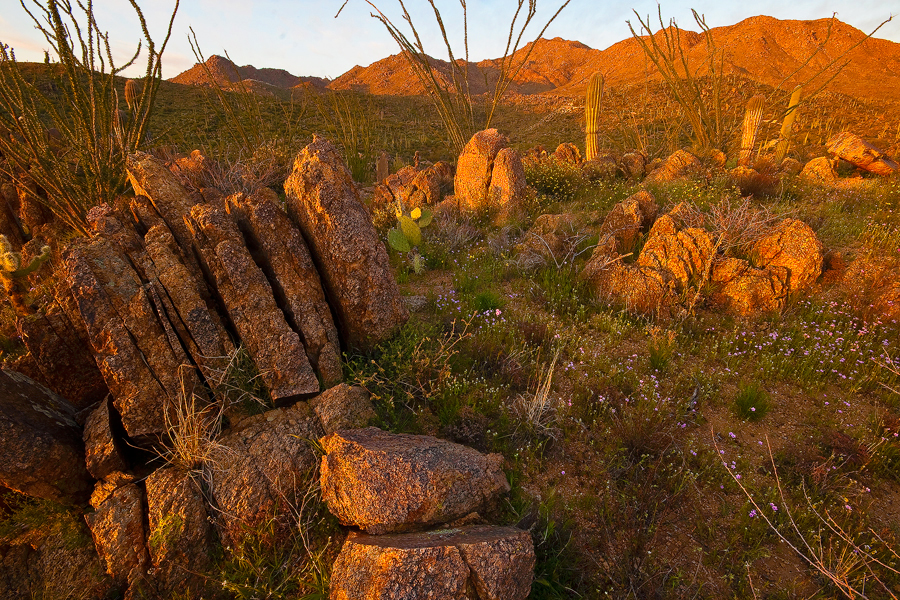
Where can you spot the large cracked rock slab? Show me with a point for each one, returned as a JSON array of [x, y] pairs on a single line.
[[187, 303], [471, 563], [385, 482], [350, 257], [139, 362], [287, 262], [249, 300], [260, 465], [41, 452]]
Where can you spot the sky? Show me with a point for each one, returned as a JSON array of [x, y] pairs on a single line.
[[304, 37]]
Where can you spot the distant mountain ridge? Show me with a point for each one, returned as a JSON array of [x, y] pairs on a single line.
[[764, 49], [227, 74]]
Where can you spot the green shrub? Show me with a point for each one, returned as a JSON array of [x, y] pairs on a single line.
[[558, 179]]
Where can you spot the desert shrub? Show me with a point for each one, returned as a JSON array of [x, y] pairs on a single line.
[[558, 179], [661, 347], [73, 145]]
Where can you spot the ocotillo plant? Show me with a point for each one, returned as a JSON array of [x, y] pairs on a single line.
[[752, 119], [592, 104], [12, 272], [784, 138]]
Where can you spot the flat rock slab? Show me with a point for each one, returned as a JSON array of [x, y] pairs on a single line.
[[474, 563], [384, 482]]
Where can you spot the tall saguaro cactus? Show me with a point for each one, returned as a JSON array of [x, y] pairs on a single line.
[[784, 138], [592, 104], [752, 119]]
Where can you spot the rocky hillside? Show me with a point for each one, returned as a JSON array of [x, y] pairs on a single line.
[[763, 49]]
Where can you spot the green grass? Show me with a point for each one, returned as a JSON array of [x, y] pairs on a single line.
[[752, 402]]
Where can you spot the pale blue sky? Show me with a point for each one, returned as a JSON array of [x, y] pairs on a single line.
[[303, 37]]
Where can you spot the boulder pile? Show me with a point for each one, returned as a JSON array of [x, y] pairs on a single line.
[[680, 260]]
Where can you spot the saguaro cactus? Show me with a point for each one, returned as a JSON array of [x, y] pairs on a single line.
[[592, 105], [784, 138], [12, 272], [752, 119], [381, 168], [132, 91]]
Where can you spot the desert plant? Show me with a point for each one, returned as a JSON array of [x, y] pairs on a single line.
[[699, 98], [661, 346], [846, 559], [592, 105], [407, 235], [752, 119], [452, 97], [349, 119], [752, 402], [784, 137], [13, 273], [560, 179], [86, 166]]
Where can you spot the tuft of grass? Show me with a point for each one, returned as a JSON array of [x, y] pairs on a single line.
[[661, 348], [752, 402]]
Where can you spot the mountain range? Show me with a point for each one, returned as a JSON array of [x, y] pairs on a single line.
[[771, 51]]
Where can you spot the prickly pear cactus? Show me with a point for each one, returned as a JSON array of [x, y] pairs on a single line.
[[407, 236]]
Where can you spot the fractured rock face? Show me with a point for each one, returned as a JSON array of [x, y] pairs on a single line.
[[137, 359], [149, 177], [61, 350], [684, 254], [182, 293], [742, 289], [472, 563], [264, 461], [286, 260], [861, 154], [384, 482], [351, 259], [41, 452], [247, 296]]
